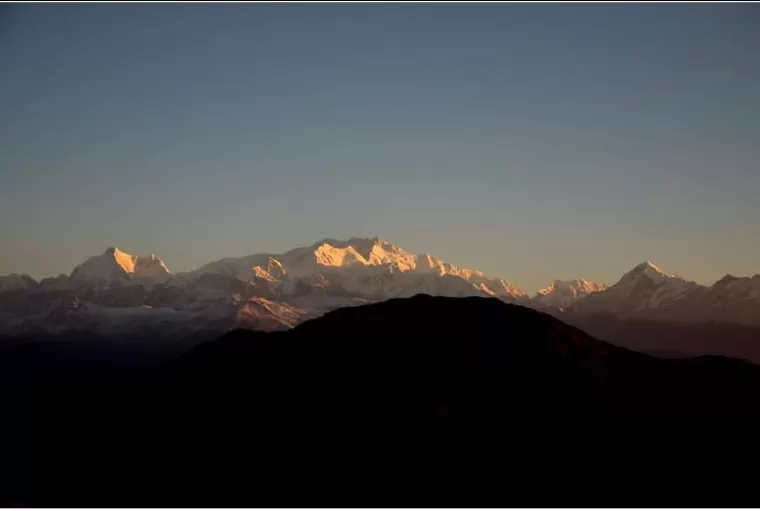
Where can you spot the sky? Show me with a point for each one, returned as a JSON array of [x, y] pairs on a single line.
[[530, 141]]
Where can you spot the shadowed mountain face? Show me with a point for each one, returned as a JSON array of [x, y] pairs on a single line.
[[672, 338], [363, 406]]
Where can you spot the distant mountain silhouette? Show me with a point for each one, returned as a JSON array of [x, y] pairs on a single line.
[[410, 402]]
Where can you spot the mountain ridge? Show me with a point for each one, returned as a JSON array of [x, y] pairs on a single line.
[[433, 263], [408, 260], [308, 281]]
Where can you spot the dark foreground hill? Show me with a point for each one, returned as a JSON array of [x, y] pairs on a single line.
[[411, 402]]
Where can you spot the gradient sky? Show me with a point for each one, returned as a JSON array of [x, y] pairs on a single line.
[[530, 141]]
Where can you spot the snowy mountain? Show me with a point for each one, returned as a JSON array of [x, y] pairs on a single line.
[[645, 287], [117, 267], [563, 293], [730, 300], [368, 267], [119, 292]]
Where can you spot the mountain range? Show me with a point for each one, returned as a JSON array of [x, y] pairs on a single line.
[[119, 293]]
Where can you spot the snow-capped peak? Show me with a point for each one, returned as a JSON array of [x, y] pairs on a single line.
[[122, 259], [644, 287], [351, 262], [649, 266], [574, 285], [649, 270], [328, 255], [363, 251], [748, 287], [562, 293], [115, 265]]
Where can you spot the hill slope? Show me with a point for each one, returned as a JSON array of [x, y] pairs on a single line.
[[350, 409], [505, 357]]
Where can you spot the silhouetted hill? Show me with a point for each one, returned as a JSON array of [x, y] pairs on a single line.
[[410, 402], [461, 351]]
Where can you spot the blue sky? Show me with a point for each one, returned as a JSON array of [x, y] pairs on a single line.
[[531, 141]]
